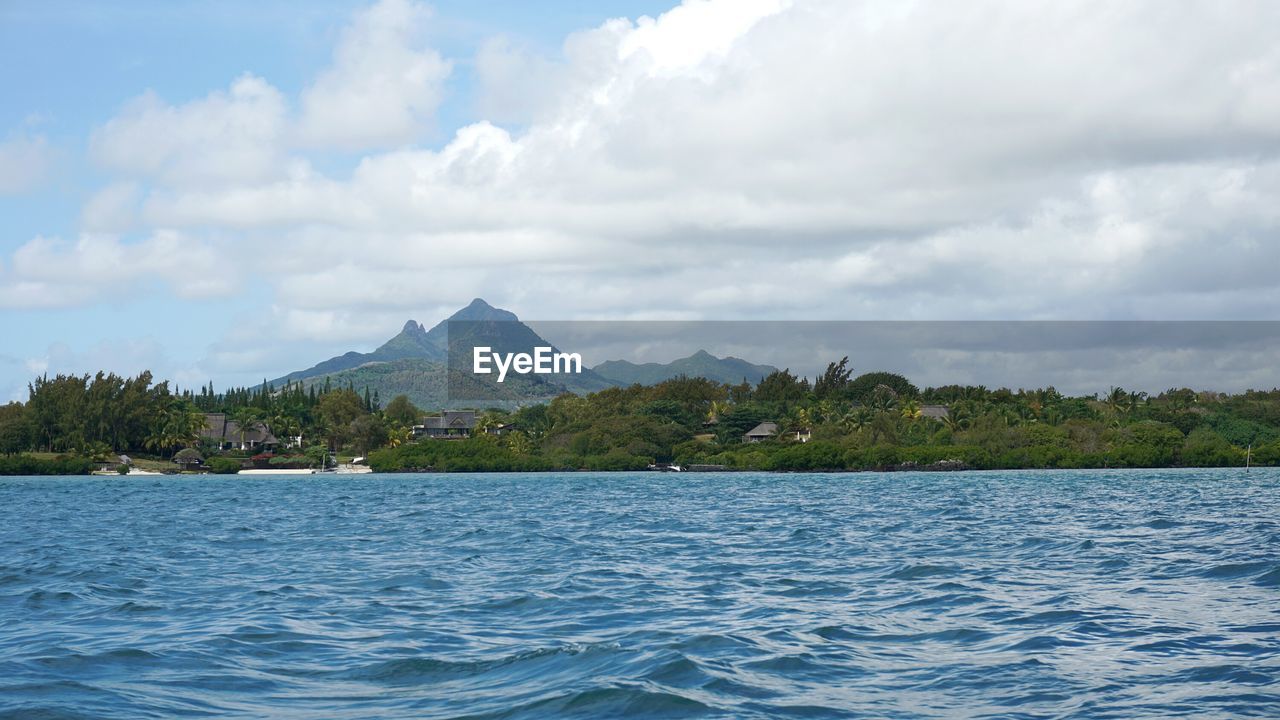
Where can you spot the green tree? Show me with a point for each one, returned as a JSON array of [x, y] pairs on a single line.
[[17, 432], [862, 387], [781, 387], [368, 432], [402, 411], [834, 381], [337, 410]]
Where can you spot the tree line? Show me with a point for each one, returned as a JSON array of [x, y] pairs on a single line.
[[875, 420], [837, 420], [104, 414]]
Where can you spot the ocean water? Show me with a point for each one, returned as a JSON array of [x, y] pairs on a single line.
[[1017, 594]]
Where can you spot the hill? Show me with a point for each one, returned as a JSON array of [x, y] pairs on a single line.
[[413, 341], [415, 363], [729, 370]]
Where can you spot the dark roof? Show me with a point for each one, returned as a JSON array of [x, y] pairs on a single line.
[[764, 429], [936, 412], [219, 428], [451, 420]]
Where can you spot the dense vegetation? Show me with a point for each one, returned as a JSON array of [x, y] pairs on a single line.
[[80, 421], [871, 421]]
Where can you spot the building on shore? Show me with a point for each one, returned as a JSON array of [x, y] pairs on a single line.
[[447, 425], [761, 432], [226, 434]]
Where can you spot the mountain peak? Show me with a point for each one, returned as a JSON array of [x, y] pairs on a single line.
[[481, 311], [703, 355], [411, 326]]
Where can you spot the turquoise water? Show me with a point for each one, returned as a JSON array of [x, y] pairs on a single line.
[[1021, 595]]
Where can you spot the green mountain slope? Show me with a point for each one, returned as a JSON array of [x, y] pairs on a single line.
[[415, 363], [413, 341], [426, 383], [729, 370]]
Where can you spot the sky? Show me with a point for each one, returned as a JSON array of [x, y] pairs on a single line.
[[229, 191]]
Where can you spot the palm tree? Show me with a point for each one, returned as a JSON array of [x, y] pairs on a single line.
[[911, 411], [715, 409], [284, 425], [883, 398], [189, 421], [519, 443], [884, 424], [247, 418], [856, 419], [1136, 399], [488, 421], [178, 424], [398, 435], [1117, 400]]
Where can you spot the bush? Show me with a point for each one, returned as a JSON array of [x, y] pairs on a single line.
[[1206, 448], [224, 466], [616, 460], [815, 455], [28, 465], [479, 454]]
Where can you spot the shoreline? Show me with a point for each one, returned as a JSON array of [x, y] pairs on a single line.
[[726, 471]]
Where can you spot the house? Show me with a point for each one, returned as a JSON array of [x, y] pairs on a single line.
[[763, 431], [448, 424], [803, 435], [934, 412], [225, 433], [501, 428]]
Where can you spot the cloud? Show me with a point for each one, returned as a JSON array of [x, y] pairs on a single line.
[[111, 209], [1076, 357], [50, 272], [126, 356], [226, 137], [25, 162], [384, 86], [806, 159]]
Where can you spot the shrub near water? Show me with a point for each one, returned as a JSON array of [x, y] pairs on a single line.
[[28, 465], [473, 455], [224, 466], [487, 454]]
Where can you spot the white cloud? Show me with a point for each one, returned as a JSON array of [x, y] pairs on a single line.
[[126, 356], [112, 209], [50, 272], [25, 162], [384, 85], [693, 36], [225, 137], [814, 158]]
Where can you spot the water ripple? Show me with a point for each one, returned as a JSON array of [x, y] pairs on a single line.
[[1118, 594]]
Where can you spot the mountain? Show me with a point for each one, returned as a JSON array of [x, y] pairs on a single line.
[[413, 341], [415, 363], [729, 370]]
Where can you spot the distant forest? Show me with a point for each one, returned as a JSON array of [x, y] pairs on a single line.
[[837, 421]]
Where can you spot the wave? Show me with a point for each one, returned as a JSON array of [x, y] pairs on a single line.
[[582, 595]]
